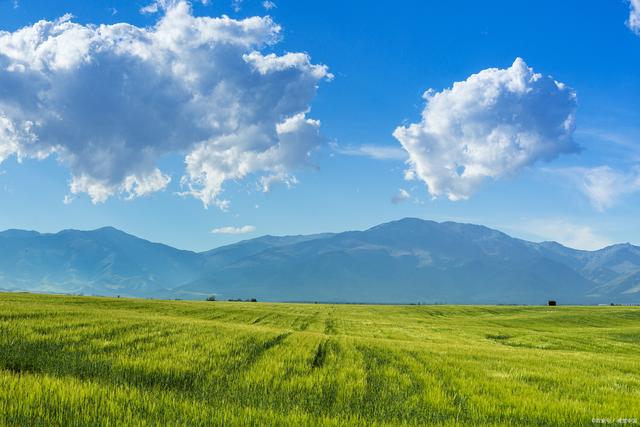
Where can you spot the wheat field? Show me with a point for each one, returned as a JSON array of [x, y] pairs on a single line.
[[103, 361]]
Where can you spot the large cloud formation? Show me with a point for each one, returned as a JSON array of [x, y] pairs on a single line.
[[110, 100], [493, 124]]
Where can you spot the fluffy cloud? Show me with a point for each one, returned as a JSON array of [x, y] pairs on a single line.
[[603, 185], [211, 163], [234, 230], [400, 196], [493, 124], [110, 100], [634, 16]]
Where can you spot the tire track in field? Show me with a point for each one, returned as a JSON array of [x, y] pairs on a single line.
[[304, 323], [323, 348], [250, 352], [330, 323], [259, 319]]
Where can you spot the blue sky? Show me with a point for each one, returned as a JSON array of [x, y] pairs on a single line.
[[583, 190]]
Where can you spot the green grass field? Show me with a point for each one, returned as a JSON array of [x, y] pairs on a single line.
[[99, 361]]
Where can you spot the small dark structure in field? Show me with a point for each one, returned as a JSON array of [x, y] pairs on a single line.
[[552, 303], [211, 298]]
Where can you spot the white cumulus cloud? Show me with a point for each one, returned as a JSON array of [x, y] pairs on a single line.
[[603, 185], [491, 125], [634, 16], [110, 100], [234, 230]]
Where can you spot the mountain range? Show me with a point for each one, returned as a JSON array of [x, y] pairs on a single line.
[[406, 261]]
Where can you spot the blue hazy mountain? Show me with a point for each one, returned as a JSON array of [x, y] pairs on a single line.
[[614, 269], [410, 260], [99, 262]]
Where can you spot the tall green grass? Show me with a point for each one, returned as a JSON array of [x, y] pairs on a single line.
[[99, 361]]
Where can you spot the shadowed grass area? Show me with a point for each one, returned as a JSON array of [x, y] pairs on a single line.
[[101, 361]]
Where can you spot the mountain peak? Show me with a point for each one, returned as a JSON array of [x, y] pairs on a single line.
[[411, 220], [619, 247], [108, 229], [409, 226], [403, 223]]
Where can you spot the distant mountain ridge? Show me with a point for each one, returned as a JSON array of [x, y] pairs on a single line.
[[405, 261], [105, 261]]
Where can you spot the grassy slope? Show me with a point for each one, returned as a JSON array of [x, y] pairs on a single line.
[[88, 361]]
